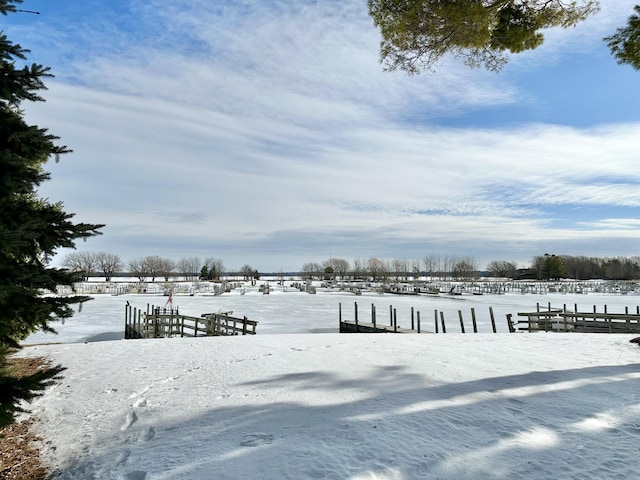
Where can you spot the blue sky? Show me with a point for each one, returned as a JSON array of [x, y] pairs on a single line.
[[267, 133]]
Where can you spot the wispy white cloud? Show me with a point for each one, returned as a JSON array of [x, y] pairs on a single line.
[[629, 224], [251, 130]]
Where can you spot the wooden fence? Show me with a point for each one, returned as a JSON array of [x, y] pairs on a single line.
[[162, 322], [547, 320], [416, 326], [562, 320]]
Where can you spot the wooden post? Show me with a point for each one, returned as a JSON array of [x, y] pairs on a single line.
[[340, 317], [412, 323], [195, 328], [395, 321], [493, 320], [461, 321], [510, 324], [355, 309], [209, 321], [436, 320], [244, 325], [373, 315], [473, 320], [391, 315], [444, 328], [126, 322], [133, 319], [418, 314]]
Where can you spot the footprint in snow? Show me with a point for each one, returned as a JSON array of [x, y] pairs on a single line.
[[136, 475], [122, 458], [257, 439], [129, 420], [148, 434]]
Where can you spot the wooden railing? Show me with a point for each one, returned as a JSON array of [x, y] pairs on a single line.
[[159, 323], [583, 322]]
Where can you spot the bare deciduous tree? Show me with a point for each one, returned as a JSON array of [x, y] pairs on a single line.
[[167, 267], [189, 267], [502, 268], [376, 269], [85, 262], [340, 267], [109, 264], [465, 268], [311, 270], [359, 268], [139, 268], [400, 268], [248, 272]]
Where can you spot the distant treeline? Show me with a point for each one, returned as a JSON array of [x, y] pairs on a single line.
[[439, 267], [586, 268]]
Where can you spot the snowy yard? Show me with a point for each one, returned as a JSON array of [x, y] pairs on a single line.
[[289, 404]]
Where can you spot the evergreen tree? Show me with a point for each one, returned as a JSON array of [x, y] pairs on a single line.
[[31, 228], [625, 43], [204, 273], [550, 267]]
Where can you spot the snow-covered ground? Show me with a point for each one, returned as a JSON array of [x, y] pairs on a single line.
[[289, 404]]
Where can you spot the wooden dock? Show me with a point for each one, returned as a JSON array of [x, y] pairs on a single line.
[[356, 326], [540, 320], [374, 326], [163, 323], [359, 327]]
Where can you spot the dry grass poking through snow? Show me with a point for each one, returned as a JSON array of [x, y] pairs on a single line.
[[19, 457]]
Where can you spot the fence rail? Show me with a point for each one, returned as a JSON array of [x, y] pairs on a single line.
[[159, 323]]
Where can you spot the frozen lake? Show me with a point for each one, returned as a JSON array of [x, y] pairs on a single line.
[[292, 311]]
